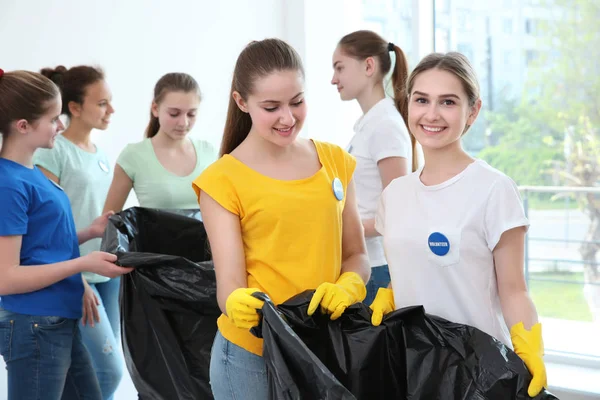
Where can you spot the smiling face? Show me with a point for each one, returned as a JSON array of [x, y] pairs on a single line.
[[96, 109], [439, 111], [276, 106]]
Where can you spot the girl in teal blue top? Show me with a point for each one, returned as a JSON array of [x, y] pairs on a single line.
[[83, 171], [41, 286]]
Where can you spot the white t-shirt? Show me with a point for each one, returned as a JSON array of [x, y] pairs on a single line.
[[470, 211], [379, 134]]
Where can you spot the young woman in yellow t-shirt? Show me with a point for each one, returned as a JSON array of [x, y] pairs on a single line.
[[280, 213]]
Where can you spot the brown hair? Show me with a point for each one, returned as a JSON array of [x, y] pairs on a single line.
[[364, 44], [24, 95], [73, 82], [454, 63], [257, 60], [171, 82]]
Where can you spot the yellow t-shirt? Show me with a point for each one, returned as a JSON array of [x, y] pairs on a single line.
[[291, 230]]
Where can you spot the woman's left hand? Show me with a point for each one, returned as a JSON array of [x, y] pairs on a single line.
[[98, 226], [90, 306]]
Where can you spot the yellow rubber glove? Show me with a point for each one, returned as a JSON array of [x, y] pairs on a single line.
[[242, 308], [335, 298], [382, 305], [530, 347]]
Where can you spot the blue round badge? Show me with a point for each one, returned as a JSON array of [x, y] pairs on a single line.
[[338, 189], [438, 244]]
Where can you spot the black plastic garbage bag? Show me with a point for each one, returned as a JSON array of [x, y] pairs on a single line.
[[411, 355], [168, 303]]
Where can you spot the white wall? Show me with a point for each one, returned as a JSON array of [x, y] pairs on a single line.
[[137, 41], [328, 118]]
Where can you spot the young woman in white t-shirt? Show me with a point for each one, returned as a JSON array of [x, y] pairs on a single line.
[[383, 148], [454, 231]]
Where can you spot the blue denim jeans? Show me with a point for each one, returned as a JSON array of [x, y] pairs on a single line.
[[380, 278], [235, 373], [46, 359], [103, 340]]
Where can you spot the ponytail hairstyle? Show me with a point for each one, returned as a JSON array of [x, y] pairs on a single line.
[[456, 64], [257, 60], [364, 44], [73, 83], [168, 83], [24, 95]]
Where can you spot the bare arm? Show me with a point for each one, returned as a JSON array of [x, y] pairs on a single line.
[[225, 237], [49, 175], [354, 252], [389, 169], [15, 278], [119, 191], [512, 288]]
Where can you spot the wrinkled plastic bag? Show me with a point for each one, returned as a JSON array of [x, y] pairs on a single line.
[[168, 303], [411, 355]]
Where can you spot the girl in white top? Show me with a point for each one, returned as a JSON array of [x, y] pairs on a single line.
[[383, 148], [161, 168], [454, 231]]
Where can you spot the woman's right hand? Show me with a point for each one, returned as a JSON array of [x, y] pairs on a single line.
[[102, 263], [382, 305], [242, 308]]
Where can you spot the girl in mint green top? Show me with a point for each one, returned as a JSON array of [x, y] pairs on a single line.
[[154, 184], [160, 169], [83, 171]]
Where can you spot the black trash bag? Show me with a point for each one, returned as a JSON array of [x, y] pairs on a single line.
[[411, 355], [168, 303]]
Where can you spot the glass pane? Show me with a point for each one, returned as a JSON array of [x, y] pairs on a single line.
[[539, 68], [393, 20]]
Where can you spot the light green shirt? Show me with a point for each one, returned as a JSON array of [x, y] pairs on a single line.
[[85, 177], [154, 185]]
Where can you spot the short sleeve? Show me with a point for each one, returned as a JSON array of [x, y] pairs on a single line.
[[215, 182], [350, 163], [389, 140], [14, 204], [128, 160], [50, 159], [504, 211], [380, 215]]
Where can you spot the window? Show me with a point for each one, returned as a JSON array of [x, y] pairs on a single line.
[[442, 6], [541, 68], [464, 20], [508, 57], [507, 26], [530, 57], [394, 21], [466, 49], [531, 27]]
